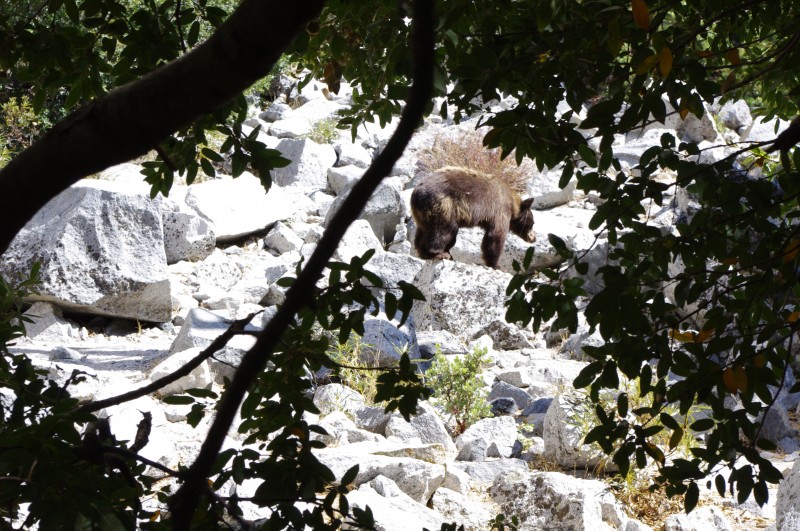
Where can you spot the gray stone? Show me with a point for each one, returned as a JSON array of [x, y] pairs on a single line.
[[352, 155], [483, 473], [389, 511], [736, 115], [200, 377], [101, 249], [563, 435], [418, 479], [241, 206], [358, 239], [504, 390], [343, 178], [282, 239], [707, 518], [187, 235], [47, 323], [448, 306], [383, 342], [336, 397], [201, 327], [309, 166], [499, 431], [431, 341], [787, 505], [556, 501], [456, 507], [384, 210], [62, 353]]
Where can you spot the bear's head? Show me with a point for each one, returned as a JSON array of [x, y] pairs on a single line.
[[522, 223]]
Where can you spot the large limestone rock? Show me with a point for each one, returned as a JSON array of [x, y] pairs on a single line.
[[787, 506], [459, 298], [101, 249], [701, 519], [241, 206], [392, 508], [187, 235], [309, 166], [418, 479], [384, 210], [563, 435], [556, 501]]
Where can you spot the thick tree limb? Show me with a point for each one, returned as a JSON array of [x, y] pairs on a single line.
[[134, 118], [186, 499]]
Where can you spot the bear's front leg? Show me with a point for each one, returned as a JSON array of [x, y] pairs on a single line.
[[492, 246], [434, 245]]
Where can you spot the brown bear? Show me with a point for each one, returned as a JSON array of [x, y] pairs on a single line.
[[450, 198]]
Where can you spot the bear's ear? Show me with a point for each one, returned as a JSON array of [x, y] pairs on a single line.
[[526, 204]]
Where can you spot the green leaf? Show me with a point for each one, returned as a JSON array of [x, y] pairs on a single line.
[[692, 496], [588, 374]]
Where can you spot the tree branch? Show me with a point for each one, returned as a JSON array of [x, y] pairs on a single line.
[[188, 495], [134, 118]]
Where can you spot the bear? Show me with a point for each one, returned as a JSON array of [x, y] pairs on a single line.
[[453, 197]]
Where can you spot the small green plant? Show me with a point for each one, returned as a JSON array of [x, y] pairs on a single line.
[[324, 131], [19, 125], [354, 361], [458, 387], [665, 442]]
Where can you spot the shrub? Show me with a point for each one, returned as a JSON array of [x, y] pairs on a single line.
[[19, 125], [466, 150], [353, 365], [458, 387], [324, 131]]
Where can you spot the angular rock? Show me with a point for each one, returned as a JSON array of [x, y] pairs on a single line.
[[418, 479], [101, 249], [787, 505], [282, 239], [341, 431], [358, 239], [384, 210], [343, 178], [708, 518], [503, 390], [371, 418], [48, 323], [383, 343], [309, 166], [200, 377], [449, 306], [187, 235], [563, 436], [389, 510], [432, 341], [483, 473], [352, 155], [456, 507], [556, 501], [474, 443], [241, 206], [337, 397], [201, 327]]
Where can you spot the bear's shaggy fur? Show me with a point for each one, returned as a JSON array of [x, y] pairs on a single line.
[[450, 198]]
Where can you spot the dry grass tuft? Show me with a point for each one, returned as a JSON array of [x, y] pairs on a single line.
[[466, 150], [651, 508]]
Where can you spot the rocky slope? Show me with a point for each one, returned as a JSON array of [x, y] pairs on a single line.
[[116, 262]]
